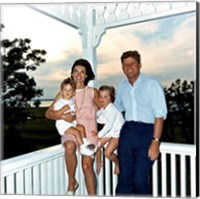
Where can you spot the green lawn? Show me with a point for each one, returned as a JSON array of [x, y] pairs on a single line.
[[37, 133]]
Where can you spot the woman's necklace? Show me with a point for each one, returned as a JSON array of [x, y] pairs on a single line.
[[78, 109]]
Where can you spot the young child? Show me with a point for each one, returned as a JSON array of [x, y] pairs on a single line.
[[111, 120], [67, 104]]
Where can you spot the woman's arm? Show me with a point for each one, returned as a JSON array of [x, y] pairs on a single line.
[[50, 113], [96, 98]]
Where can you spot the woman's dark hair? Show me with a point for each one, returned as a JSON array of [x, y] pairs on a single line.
[[111, 91], [131, 53], [88, 68]]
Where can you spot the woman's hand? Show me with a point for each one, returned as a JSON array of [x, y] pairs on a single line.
[[95, 135], [62, 111], [68, 117], [65, 108]]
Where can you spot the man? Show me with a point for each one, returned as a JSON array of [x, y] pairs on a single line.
[[143, 101]]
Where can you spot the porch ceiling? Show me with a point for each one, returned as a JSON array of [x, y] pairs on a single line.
[[93, 19], [113, 14]]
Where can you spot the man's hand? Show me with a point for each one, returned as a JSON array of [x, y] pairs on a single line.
[[154, 150]]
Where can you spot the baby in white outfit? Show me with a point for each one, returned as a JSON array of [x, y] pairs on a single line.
[[67, 104]]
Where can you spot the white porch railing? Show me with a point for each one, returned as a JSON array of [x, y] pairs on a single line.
[[43, 173]]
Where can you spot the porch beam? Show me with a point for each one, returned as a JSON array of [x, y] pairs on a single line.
[[118, 15]]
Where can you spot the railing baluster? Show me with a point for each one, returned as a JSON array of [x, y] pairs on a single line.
[[193, 176], [20, 182], [82, 188], [164, 174], [28, 181], [10, 184], [114, 181], [56, 182], [79, 176], [100, 184], [183, 176], [62, 170], [155, 179], [50, 187], [107, 175], [173, 175], [43, 169], [36, 180], [3, 185]]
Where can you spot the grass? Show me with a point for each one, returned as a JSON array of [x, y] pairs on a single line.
[[36, 133], [39, 132]]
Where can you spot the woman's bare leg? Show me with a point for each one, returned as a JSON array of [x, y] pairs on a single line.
[[83, 148], [90, 178], [76, 133], [71, 163]]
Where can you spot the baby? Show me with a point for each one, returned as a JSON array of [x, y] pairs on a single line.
[[67, 104]]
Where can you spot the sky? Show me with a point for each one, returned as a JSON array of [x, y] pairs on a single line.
[[167, 47]]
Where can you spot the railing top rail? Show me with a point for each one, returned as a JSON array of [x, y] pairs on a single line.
[[186, 149], [30, 159], [38, 157]]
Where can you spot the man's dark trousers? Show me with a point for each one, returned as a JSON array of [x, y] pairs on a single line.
[[134, 163]]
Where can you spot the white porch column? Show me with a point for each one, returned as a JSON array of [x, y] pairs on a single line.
[[90, 36], [90, 54], [86, 33]]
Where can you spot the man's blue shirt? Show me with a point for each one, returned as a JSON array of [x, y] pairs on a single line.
[[143, 101]]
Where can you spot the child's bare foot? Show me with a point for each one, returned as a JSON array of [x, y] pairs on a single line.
[[99, 166], [116, 169]]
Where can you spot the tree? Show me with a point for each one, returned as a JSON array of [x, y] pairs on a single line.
[[179, 125], [18, 87], [37, 103]]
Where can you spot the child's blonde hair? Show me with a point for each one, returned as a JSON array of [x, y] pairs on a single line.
[[69, 81]]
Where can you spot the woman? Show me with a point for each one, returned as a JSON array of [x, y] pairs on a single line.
[[86, 106]]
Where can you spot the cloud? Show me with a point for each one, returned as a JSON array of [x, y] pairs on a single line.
[[167, 46], [45, 32], [167, 51], [112, 45]]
